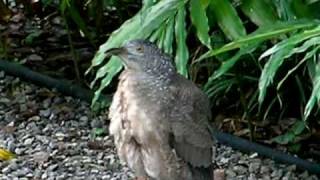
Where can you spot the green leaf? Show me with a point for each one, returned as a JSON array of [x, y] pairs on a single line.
[[292, 41], [260, 12], [228, 19], [270, 69], [30, 38], [64, 4], [298, 127], [307, 56], [284, 139], [315, 95], [99, 131], [182, 54], [279, 52], [262, 34], [168, 39], [293, 132], [228, 64], [200, 21]]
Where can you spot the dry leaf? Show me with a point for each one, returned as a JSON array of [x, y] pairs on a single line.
[[6, 155]]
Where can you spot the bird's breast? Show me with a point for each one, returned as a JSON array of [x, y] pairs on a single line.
[[136, 111]]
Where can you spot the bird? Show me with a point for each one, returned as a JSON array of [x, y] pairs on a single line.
[[158, 118]]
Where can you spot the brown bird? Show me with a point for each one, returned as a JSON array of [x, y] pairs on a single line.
[[159, 119]]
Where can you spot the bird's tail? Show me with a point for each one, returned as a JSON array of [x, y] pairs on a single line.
[[202, 173]]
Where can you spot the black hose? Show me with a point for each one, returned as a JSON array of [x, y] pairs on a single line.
[[63, 86], [248, 146]]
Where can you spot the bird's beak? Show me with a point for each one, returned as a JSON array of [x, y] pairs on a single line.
[[115, 51]]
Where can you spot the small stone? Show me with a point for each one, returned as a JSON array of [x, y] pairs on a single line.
[[53, 167], [20, 172], [11, 146], [291, 168], [264, 170], [43, 139], [252, 177], [44, 175], [277, 173], [45, 113], [19, 151], [41, 157], [230, 174], [239, 169], [2, 74], [46, 103], [60, 136], [304, 175], [96, 123], [84, 118], [34, 118], [106, 177], [95, 171], [34, 57], [28, 141], [29, 175], [6, 170], [254, 167]]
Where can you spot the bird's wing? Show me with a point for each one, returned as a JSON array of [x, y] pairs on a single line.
[[189, 123]]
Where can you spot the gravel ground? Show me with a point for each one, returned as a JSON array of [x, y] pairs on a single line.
[[53, 137]]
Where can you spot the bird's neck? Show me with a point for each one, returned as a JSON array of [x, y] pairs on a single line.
[[161, 71]]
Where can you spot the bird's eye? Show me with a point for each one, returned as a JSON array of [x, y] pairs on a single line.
[[140, 49]]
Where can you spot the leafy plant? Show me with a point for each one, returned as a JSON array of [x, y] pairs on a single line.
[[247, 29]]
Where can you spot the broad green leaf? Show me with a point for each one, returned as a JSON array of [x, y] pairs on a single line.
[[182, 53], [290, 136], [147, 3], [33, 35], [156, 34], [64, 4], [270, 69], [214, 87], [262, 34], [298, 127], [311, 1], [279, 52], [306, 45], [168, 39], [228, 64], [305, 58], [260, 12], [200, 21], [228, 19], [315, 95], [284, 139], [292, 41]]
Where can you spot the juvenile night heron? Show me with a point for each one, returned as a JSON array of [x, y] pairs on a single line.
[[159, 119]]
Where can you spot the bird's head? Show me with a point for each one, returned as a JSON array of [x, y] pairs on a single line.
[[143, 56]]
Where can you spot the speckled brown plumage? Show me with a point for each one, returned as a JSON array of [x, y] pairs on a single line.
[[159, 119]]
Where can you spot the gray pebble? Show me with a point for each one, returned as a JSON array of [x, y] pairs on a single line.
[[28, 141]]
